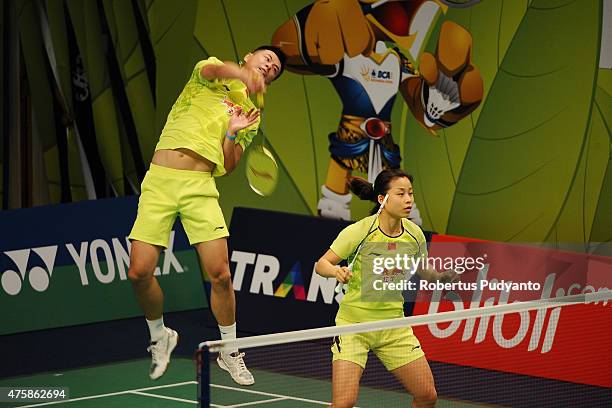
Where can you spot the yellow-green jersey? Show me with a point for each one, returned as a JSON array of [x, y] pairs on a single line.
[[357, 306], [199, 117]]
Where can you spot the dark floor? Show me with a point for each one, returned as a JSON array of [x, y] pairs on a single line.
[[26, 354]]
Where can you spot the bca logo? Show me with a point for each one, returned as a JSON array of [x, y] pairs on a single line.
[[381, 74], [38, 277]]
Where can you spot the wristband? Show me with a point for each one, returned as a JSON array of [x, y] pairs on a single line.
[[230, 136]]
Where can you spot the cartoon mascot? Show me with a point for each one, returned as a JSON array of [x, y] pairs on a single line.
[[361, 46]]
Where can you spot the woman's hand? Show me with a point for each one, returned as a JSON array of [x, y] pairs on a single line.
[[343, 274], [448, 276]]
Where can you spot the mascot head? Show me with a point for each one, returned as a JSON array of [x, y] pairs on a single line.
[[401, 21]]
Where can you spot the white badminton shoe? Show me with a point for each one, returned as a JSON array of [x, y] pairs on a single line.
[[233, 363], [160, 353]]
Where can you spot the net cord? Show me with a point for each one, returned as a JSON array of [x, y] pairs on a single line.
[[419, 320]]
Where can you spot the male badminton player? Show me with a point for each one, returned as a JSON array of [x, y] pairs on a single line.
[[398, 349], [209, 126]]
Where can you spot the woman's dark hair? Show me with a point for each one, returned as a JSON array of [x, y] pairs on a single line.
[[366, 191], [279, 53]]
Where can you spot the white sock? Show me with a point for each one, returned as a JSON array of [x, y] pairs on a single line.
[[228, 333], [156, 328]]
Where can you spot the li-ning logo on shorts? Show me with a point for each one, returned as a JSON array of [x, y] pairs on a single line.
[[38, 277]]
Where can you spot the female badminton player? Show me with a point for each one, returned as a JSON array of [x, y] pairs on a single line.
[[209, 126], [398, 349]]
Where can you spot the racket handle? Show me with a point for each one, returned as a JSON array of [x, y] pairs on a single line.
[[342, 287]]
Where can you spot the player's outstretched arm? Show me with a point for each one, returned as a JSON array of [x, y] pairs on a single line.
[[230, 70]]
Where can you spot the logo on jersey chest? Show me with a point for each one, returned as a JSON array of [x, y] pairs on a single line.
[[231, 106], [376, 75]]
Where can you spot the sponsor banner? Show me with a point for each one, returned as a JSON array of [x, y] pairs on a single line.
[[272, 258], [565, 343], [67, 264]]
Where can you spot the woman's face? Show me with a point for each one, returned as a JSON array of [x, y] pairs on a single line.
[[399, 203]]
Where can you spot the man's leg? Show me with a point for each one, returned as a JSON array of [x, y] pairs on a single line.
[[143, 260], [214, 260]]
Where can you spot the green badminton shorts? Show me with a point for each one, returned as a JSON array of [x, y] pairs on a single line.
[[394, 347], [168, 192]]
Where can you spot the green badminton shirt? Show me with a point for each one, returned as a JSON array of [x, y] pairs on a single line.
[[199, 117], [358, 306]]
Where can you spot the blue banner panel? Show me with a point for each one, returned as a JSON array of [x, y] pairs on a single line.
[[67, 264], [272, 258]]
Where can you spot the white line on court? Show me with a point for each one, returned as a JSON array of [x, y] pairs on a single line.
[[148, 394], [139, 391], [244, 404], [269, 394], [110, 394]]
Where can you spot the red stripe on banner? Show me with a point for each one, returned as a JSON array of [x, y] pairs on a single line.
[[568, 343]]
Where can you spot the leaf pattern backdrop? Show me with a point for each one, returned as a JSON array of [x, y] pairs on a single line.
[[532, 163]]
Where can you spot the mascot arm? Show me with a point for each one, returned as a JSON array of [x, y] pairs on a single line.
[[448, 86], [318, 36]]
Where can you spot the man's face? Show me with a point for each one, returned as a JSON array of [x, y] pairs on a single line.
[[264, 61]]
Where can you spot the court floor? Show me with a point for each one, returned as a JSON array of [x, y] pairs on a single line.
[[128, 385]]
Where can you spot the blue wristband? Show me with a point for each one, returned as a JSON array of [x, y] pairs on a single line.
[[230, 136]]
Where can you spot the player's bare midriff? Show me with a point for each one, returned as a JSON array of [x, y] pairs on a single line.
[[182, 159]]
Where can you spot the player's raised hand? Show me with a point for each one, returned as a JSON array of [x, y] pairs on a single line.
[[253, 80], [240, 120]]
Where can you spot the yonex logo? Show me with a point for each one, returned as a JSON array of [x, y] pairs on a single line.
[[101, 259], [37, 276]]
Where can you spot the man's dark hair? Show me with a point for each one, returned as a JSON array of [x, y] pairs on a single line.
[[279, 53]]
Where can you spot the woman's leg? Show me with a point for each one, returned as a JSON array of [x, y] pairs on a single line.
[[418, 380], [345, 383]]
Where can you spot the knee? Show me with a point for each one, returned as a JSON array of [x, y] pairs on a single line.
[[220, 275], [139, 273], [427, 397]]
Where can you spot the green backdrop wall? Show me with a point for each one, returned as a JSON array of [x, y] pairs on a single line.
[[532, 163]]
